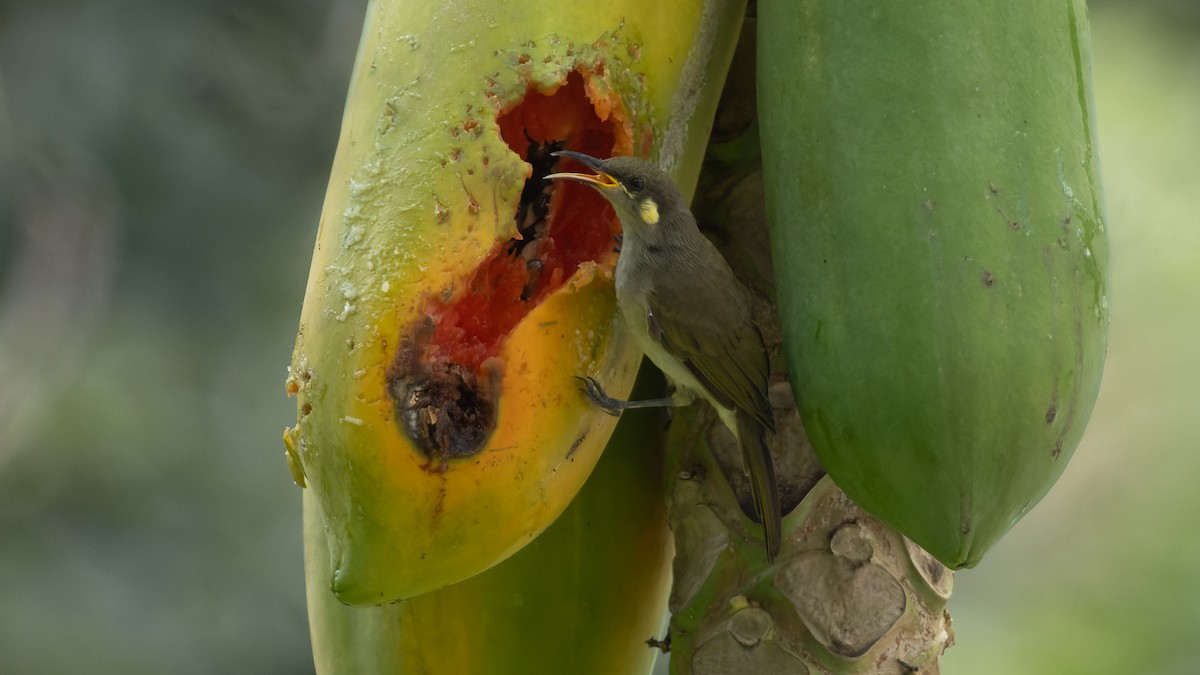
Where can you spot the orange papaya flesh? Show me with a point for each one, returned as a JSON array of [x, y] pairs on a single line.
[[446, 376]]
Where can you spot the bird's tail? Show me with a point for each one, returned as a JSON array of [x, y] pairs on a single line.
[[763, 488]]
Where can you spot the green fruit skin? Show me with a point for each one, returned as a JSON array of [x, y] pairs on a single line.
[[938, 227]]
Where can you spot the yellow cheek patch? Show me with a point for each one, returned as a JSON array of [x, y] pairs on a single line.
[[649, 211]]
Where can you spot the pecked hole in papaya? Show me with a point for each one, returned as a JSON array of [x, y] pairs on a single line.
[[445, 377]]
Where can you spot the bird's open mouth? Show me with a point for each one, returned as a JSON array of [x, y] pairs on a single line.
[[602, 179], [599, 178]]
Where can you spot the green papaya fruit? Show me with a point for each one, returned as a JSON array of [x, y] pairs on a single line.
[[937, 220]]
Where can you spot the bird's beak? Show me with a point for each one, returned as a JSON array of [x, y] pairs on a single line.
[[600, 179]]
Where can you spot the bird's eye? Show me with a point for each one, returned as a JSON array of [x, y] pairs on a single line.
[[636, 183]]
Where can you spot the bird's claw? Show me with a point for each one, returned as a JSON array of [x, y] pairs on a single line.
[[596, 395]]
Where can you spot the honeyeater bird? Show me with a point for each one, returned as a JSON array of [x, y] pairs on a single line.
[[689, 314]]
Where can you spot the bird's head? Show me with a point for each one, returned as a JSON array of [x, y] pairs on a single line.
[[641, 193]]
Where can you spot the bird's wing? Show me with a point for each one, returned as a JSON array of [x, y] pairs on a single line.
[[717, 340], [764, 490]]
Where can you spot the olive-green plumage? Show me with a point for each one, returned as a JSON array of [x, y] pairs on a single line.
[[690, 314]]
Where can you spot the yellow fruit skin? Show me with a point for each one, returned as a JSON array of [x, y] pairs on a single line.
[[570, 602], [423, 188]]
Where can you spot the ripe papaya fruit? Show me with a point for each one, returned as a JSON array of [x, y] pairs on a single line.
[[938, 227], [454, 295], [609, 552]]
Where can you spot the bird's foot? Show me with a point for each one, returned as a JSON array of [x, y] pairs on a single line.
[[596, 395]]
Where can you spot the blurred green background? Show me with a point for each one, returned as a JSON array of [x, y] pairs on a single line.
[[162, 166]]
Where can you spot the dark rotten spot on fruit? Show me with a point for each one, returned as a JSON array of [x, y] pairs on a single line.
[[988, 279], [1051, 413], [451, 412], [445, 378], [447, 409], [578, 442]]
